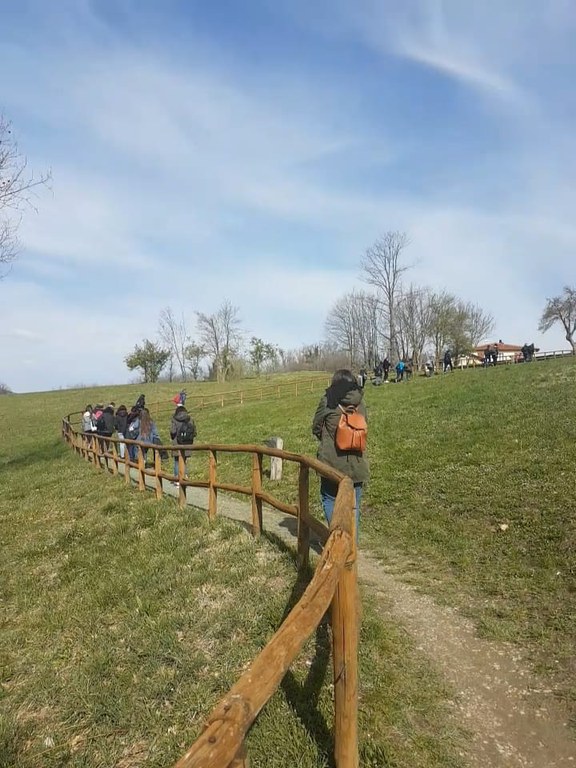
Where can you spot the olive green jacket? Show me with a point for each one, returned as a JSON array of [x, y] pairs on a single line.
[[324, 426]]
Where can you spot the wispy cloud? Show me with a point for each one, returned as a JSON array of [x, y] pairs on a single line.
[[194, 161]]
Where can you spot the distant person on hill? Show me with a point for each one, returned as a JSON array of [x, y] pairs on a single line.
[[342, 394], [525, 352], [487, 355], [386, 368], [495, 354], [140, 402], [121, 424], [362, 376], [400, 370], [531, 352], [448, 361], [182, 432]]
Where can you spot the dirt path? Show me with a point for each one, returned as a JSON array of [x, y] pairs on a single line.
[[513, 719], [515, 722]]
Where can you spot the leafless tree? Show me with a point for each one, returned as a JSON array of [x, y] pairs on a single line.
[[479, 324], [221, 336], [561, 309], [383, 268], [414, 319], [174, 336], [354, 325], [16, 192]]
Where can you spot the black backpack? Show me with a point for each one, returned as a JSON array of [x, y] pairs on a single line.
[[186, 433]]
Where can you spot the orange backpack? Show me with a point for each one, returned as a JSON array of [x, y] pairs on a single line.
[[351, 431]]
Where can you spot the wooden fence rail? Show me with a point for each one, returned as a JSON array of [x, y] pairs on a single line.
[[333, 586], [241, 396]]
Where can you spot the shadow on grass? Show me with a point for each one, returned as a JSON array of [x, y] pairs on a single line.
[[39, 453], [303, 697]]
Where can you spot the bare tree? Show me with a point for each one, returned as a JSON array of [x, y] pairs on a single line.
[[340, 327], [561, 309], [174, 336], [16, 192], [383, 268], [479, 324], [414, 319], [221, 336], [355, 326]]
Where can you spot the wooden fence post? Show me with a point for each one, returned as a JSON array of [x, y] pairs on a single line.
[[114, 458], [303, 513], [256, 489], [127, 477], [141, 467], [276, 461], [157, 473], [212, 490], [345, 627]]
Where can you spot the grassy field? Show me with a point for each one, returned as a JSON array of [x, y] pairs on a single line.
[[124, 619]]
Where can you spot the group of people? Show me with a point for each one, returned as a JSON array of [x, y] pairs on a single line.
[[527, 352], [137, 424]]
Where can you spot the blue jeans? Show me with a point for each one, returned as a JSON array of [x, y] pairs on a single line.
[[176, 466], [328, 495]]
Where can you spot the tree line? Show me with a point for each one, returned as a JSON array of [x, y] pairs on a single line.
[[395, 319], [398, 320]]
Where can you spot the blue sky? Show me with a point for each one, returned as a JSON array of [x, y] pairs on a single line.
[[253, 150]]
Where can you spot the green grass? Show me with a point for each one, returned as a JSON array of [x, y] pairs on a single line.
[[124, 620]]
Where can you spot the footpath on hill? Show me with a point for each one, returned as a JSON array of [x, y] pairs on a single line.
[[513, 719]]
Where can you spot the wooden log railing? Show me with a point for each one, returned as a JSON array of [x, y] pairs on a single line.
[[242, 396], [333, 586]]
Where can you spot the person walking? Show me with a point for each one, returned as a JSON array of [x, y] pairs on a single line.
[[147, 432], [121, 424], [182, 432], [342, 394], [448, 361], [385, 368]]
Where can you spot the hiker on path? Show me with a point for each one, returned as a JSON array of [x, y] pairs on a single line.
[[88, 423], [148, 432], [121, 424], [182, 432], [342, 393], [385, 368]]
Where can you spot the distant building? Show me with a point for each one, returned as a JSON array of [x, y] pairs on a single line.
[[507, 353]]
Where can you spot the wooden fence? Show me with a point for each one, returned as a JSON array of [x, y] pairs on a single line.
[[333, 586], [246, 395]]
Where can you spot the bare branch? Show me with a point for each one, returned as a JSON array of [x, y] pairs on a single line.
[[16, 191]]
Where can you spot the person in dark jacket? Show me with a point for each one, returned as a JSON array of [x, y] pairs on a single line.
[[386, 368], [121, 424], [105, 423], [105, 427], [180, 420], [448, 361], [343, 391]]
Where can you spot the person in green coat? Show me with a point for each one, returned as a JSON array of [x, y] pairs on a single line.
[[343, 391]]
